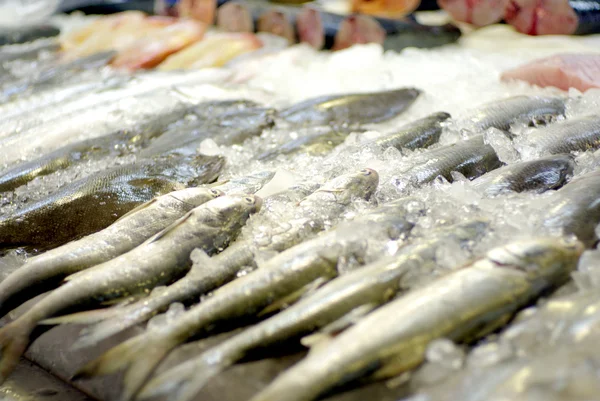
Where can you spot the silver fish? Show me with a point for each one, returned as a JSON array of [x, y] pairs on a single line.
[[45, 271], [462, 306], [286, 273], [158, 261]]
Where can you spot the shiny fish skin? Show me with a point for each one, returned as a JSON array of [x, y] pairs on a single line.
[[550, 172], [472, 158], [330, 201], [94, 202], [158, 261], [462, 306], [574, 209], [249, 184], [370, 285], [574, 134], [421, 133], [502, 113], [285, 273], [351, 108], [45, 271]]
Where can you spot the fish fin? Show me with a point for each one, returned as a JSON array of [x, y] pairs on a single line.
[[329, 331], [169, 229], [85, 317], [186, 379], [14, 339], [289, 299], [136, 209], [138, 357]]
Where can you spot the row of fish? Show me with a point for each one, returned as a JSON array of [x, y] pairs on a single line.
[[350, 262]]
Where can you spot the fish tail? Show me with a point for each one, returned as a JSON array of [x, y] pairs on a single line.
[[186, 379], [138, 356], [14, 339]]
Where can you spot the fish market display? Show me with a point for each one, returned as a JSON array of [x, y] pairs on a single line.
[[199, 212], [563, 71]]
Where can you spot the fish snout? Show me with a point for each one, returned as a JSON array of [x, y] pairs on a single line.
[[254, 200]]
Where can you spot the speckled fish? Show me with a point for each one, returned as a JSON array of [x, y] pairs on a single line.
[[501, 114], [462, 306], [550, 172], [158, 261], [286, 273], [96, 201], [472, 158], [44, 272], [319, 143], [117, 144], [574, 134], [358, 291], [351, 108], [327, 203], [421, 133], [574, 209]]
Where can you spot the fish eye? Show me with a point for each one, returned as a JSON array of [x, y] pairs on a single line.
[[249, 200], [215, 192], [366, 171]]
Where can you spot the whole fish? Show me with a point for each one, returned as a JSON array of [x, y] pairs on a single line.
[[327, 203], [421, 133], [351, 108], [116, 144], [462, 306], [550, 172], [360, 290], [574, 209], [158, 261], [94, 202], [45, 271], [502, 113], [574, 134], [287, 273], [472, 158], [313, 144]]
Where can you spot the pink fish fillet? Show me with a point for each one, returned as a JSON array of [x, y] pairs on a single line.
[[563, 71]]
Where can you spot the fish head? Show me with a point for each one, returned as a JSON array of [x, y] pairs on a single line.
[[548, 258], [346, 187], [232, 210], [203, 168], [564, 165]]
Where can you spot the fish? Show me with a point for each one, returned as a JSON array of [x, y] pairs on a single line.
[[45, 271], [557, 17], [361, 289], [309, 27], [574, 208], [284, 274], [572, 135], [234, 17], [159, 260], [358, 29], [472, 158], [563, 71], [199, 10], [248, 184], [477, 13], [501, 114], [540, 175], [277, 23], [328, 202], [351, 108], [321, 142], [24, 34], [94, 202], [421, 133], [116, 144], [464, 306]]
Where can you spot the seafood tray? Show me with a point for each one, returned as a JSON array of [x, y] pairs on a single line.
[[285, 223]]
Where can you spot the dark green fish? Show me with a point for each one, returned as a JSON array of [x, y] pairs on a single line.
[[472, 158], [421, 133], [158, 261], [44, 272], [362, 289], [94, 202], [464, 306], [501, 114], [286, 273], [351, 108], [325, 204], [550, 172], [574, 209]]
